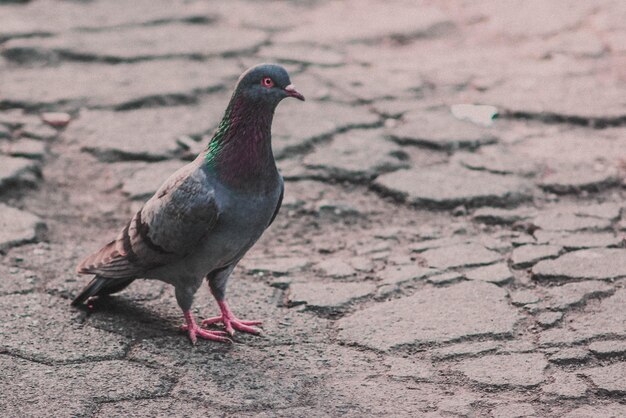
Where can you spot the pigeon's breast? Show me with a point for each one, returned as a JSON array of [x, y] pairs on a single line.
[[243, 216]]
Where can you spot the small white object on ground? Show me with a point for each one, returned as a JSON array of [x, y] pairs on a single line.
[[56, 119], [479, 114]]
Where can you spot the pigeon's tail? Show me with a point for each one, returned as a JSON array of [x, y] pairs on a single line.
[[101, 286]]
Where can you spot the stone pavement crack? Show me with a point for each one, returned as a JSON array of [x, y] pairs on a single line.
[[556, 118], [421, 265]]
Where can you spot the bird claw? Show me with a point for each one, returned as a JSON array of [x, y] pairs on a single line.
[[231, 322], [194, 331]]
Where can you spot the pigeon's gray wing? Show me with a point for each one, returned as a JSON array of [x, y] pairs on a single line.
[[280, 202], [166, 229]]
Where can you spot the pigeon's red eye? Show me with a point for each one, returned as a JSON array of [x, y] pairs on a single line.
[[267, 82]]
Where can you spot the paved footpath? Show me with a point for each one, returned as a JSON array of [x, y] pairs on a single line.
[[422, 265]]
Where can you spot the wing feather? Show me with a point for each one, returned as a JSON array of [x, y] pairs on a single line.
[[166, 229]]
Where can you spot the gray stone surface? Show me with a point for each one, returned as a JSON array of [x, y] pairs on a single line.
[[508, 370], [585, 179], [569, 355], [461, 255], [499, 216], [147, 408], [328, 295], [15, 172], [608, 348], [25, 147], [565, 385], [509, 24], [522, 238], [596, 264], [405, 273], [461, 404], [262, 384], [277, 266], [448, 187], [49, 17], [610, 410], [567, 221], [374, 248], [545, 149], [606, 210], [572, 294], [528, 255], [38, 130], [298, 127], [466, 349], [154, 132], [337, 210], [358, 82], [440, 130], [578, 217], [433, 243], [356, 21], [609, 378], [579, 44], [446, 314], [524, 297], [302, 53], [497, 273], [72, 390], [335, 267], [579, 241], [144, 83], [17, 118], [144, 182], [18, 227], [378, 396], [495, 160], [547, 319], [604, 320], [5, 132], [59, 334], [357, 156], [407, 367], [446, 278], [133, 43], [517, 346], [559, 97], [514, 410], [17, 280], [120, 86], [361, 263]]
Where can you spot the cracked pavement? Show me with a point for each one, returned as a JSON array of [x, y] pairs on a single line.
[[421, 266]]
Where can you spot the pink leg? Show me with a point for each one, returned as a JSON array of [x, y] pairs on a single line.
[[195, 331], [230, 321]]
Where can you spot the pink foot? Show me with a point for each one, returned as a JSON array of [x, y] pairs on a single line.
[[231, 322], [194, 331]]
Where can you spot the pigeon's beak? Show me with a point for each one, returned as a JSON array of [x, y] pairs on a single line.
[[292, 92]]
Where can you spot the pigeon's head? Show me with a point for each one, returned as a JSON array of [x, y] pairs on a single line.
[[266, 84]]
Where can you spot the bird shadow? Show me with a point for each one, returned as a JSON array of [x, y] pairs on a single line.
[[129, 317]]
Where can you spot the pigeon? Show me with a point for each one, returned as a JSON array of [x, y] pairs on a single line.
[[207, 215]]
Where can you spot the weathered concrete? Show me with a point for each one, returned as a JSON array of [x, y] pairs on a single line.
[[421, 264], [445, 314], [609, 379], [447, 187], [597, 264], [524, 370], [18, 227]]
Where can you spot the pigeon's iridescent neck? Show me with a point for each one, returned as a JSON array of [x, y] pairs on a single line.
[[240, 152]]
